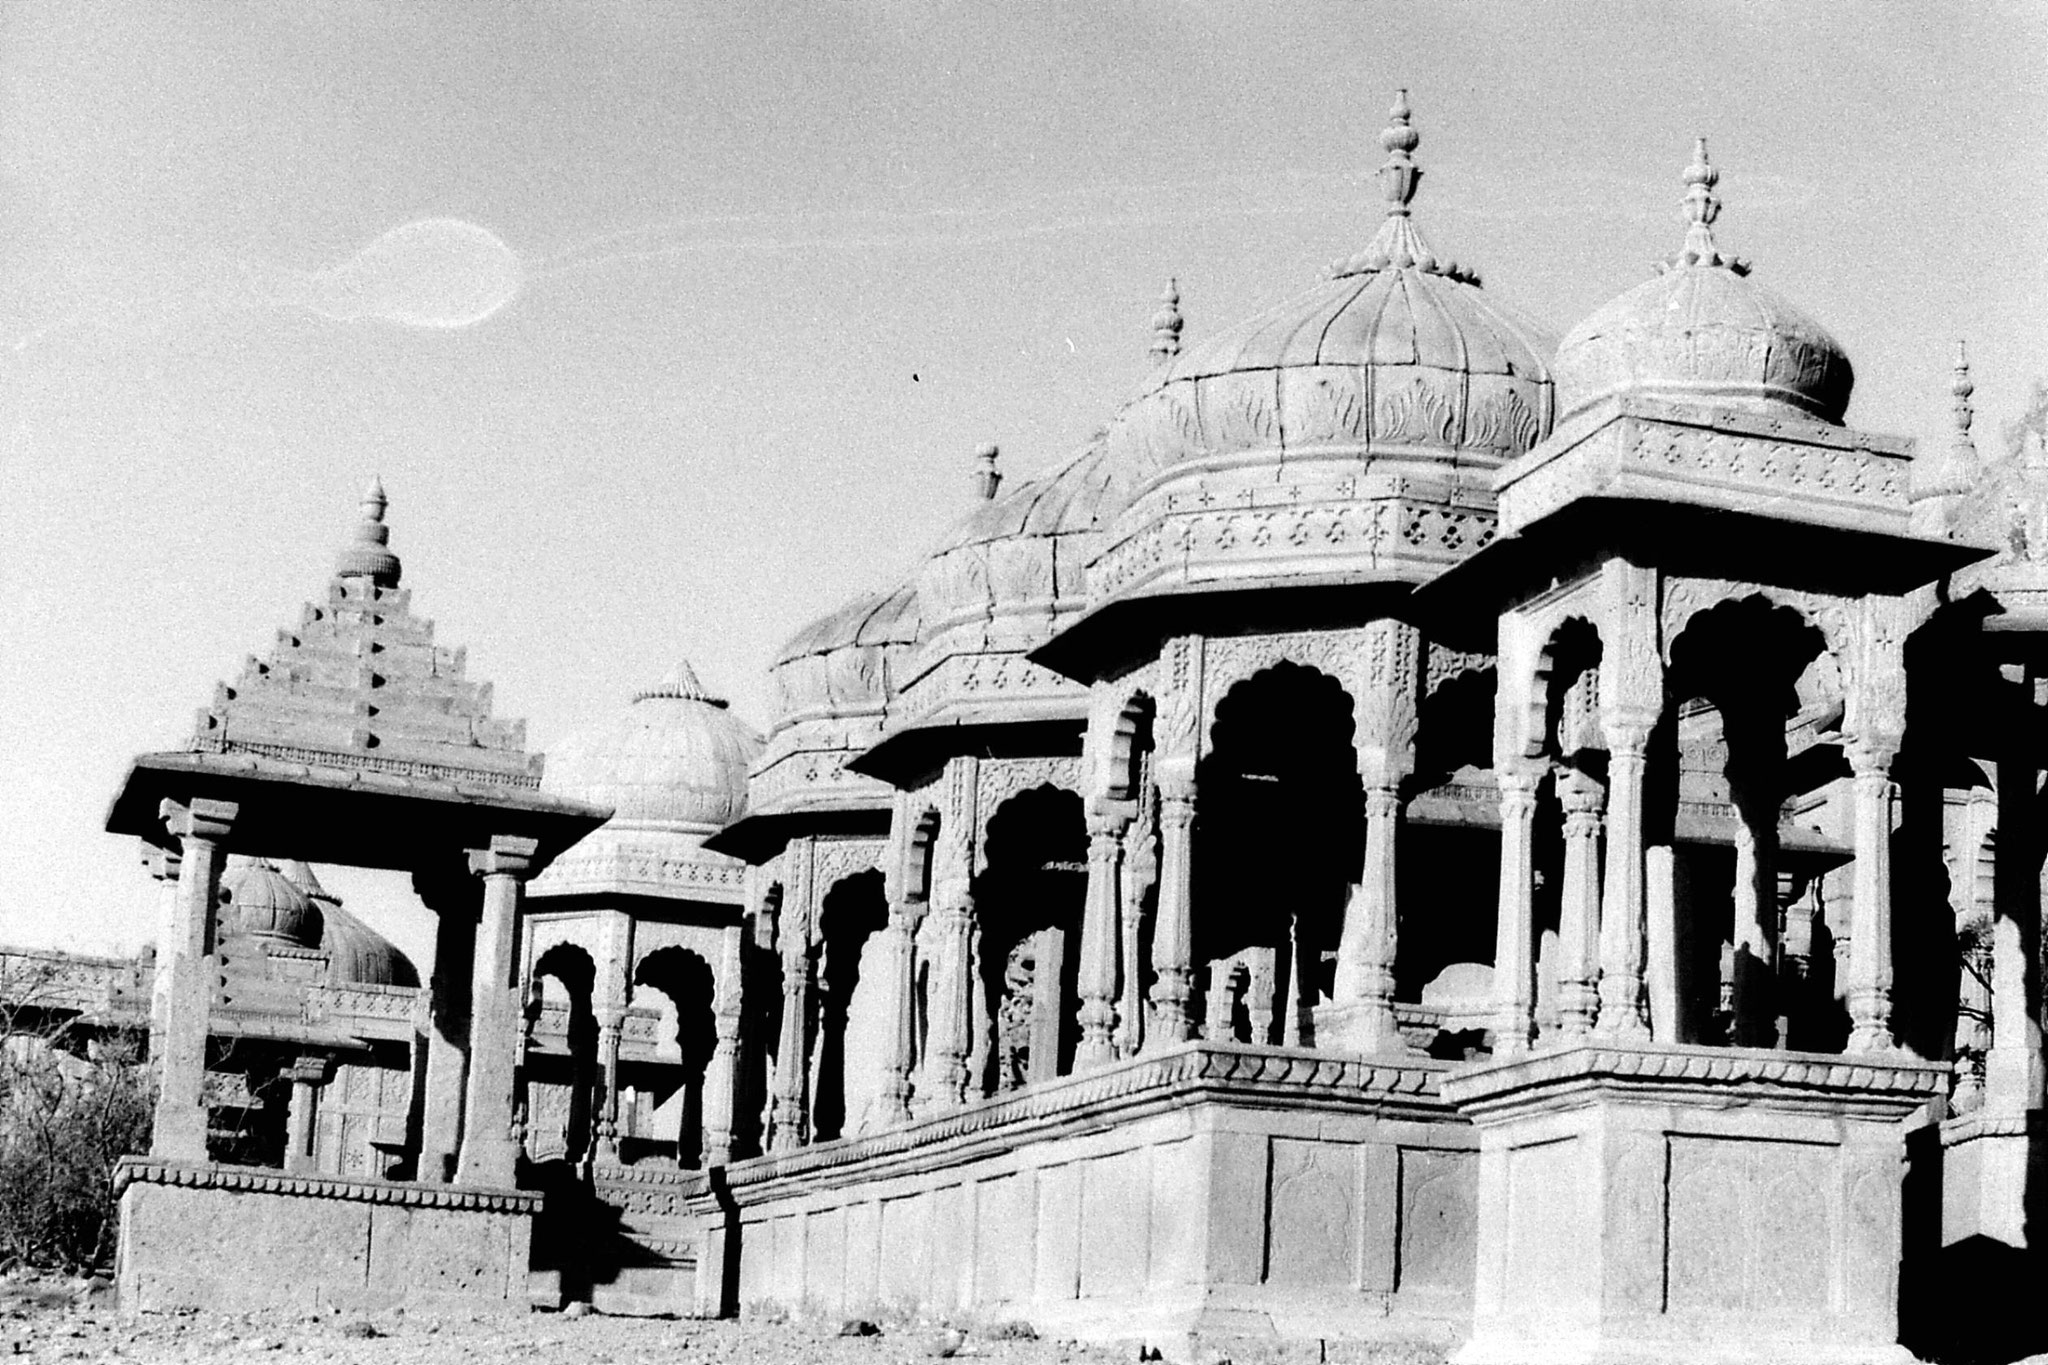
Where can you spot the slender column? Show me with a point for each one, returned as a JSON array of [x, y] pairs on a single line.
[[606, 1146], [1219, 1021], [786, 1111], [1578, 930], [445, 1037], [1623, 904], [1140, 874], [899, 948], [182, 994], [2013, 1063], [490, 1147], [1870, 953], [308, 1075], [951, 1034], [163, 865], [722, 1073], [1514, 952], [1365, 953], [1101, 930], [1660, 942], [1173, 927]]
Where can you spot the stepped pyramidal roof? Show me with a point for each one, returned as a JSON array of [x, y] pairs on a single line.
[[360, 684]]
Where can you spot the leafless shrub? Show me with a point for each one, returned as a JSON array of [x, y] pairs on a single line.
[[74, 1099]]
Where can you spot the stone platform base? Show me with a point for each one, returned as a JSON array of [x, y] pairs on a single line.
[[1689, 1204], [242, 1239], [1215, 1190]]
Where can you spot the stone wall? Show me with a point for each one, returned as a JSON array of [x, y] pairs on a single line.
[[239, 1239], [1216, 1189]]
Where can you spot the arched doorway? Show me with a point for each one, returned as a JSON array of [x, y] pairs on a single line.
[[854, 910], [1029, 904], [686, 981], [561, 1065], [1278, 840]]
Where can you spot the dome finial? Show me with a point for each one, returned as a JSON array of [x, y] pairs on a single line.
[[987, 478], [1399, 175], [368, 555], [1960, 469], [1166, 324], [1398, 245], [1702, 207]]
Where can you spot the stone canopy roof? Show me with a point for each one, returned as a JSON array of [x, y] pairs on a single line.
[[360, 683], [357, 700]]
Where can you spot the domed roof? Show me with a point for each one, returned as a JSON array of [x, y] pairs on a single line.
[[357, 955], [266, 905], [842, 664], [1703, 329], [1398, 351], [675, 757]]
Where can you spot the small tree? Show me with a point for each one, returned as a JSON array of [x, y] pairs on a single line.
[[74, 1098]]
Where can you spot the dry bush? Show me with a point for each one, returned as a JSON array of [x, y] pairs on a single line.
[[74, 1099]]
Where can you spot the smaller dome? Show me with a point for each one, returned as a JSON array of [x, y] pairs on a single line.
[[674, 758], [369, 554], [357, 955], [1703, 329], [266, 905]]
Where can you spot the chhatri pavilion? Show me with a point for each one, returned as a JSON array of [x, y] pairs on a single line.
[[1418, 832]]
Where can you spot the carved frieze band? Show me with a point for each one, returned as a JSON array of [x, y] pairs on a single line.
[[134, 1170]]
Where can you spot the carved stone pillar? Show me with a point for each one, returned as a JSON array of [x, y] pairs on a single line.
[[722, 1073], [2013, 1063], [1173, 926], [444, 1037], [182, 994], [951, 1035], [1226, 983], [1366, 949], [605, 1144], [490, 1147], [1101, 934], [1870, 953], [1140, 861], [308, 1076], [798, 914], [163, 865], [1514, 952], [1623, 902], [1578, 929]]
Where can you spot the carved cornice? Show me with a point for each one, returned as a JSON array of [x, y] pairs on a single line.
[[600, 864], [134, 1170], [1407, 533], [1973, 1126], [1122, 1093], [1639, 448], [1862, 1086]]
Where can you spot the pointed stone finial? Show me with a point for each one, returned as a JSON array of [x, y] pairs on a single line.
[[1702, 207], [987, 478], [1166, 324], [1399, 175], [1398, 245], [368, 555], [680, 683], [1955, 473]]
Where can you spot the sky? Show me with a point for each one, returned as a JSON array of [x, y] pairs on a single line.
[[724, 296]]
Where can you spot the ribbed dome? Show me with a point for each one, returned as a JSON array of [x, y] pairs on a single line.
[[356, 953], [262, 902], [1703, 329], [1399, 353], [842, 665], [676, 757]]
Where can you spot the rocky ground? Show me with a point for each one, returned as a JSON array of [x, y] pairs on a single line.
[[57, 1320]]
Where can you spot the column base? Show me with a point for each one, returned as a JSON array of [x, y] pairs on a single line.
[[1688, 1204]]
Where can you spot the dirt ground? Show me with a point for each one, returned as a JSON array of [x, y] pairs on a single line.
[[56, 1320]]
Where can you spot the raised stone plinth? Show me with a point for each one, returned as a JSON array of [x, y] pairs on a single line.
[[1209, 1191], [243, 1239], [1689, 1204]]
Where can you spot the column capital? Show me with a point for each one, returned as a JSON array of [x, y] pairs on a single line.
[[310, 1068], [508, 856], [163, 863], [201, 818], [1580, 793]]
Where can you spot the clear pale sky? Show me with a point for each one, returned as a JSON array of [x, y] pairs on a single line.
[[785, 265]]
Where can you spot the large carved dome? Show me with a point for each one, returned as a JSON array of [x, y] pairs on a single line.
[[263, 903], [1703, 329], [676, 758], [1348, 433]]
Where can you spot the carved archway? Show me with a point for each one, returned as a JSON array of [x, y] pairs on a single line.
[[560, 1085], [1028, 904]]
